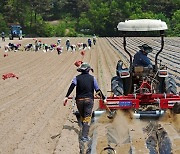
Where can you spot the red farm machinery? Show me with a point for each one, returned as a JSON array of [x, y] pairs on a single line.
[[149, 92]]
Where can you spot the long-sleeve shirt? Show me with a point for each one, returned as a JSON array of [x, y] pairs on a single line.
[[85, 86], [141, 59]]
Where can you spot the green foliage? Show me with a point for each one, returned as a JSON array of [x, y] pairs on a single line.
[[176, 23], [65, 28], [99, 16], [70, 32], [60, 29], [84, 17], [3, 25], [151, 15], [84, 24], [49, 30]]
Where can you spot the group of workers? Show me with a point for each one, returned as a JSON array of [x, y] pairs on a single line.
[[38, 45], [72, 47]]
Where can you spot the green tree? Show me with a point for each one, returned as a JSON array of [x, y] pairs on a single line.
[[115, 15], [84, 24], [165, 6], [3, 25], [57, 9], [176, 23], [99, 16]]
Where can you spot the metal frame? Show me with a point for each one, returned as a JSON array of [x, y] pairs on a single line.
[[132, 101]]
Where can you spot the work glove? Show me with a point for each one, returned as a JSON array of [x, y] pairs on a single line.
[[105, 101], [65, 101]]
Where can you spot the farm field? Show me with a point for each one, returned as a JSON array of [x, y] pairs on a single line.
[[33, 119]]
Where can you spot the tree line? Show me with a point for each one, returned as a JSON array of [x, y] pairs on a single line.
[[84, 17]]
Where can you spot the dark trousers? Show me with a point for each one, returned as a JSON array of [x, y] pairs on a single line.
[[85, 110]]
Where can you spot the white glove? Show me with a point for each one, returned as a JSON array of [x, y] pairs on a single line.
[[65, 101], [105, 101]]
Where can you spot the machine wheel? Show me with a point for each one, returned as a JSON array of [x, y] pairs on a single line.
[[176, 108], [117, 86], [170, 85], [20, 37]]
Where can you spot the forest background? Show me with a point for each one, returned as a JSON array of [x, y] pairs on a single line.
[[48, 18]]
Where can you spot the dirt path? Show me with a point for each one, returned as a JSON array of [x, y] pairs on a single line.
[[32, 117]]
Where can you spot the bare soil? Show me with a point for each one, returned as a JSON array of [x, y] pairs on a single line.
[[33, 119]]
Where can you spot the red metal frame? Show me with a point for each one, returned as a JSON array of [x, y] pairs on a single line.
[[135, 101], [163, 101]]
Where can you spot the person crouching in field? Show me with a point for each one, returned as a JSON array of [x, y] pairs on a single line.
[[12, 46], [7, 48], [52, 47], [28, 47], [16, 47], [84, 46], [94, 39], [80, 46], [73, 48], [59, 49], [59, 42], [46, 48]]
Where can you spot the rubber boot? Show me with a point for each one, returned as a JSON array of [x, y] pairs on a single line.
[[85, 130]]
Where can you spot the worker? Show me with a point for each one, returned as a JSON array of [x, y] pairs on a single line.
[[140, 58], [28, 47], [59, 49], [3, 36], [85, 86], [89, 43], [84, 46], [36, 45], [94, 39], [68, 44], [73, 47], [59, 42]]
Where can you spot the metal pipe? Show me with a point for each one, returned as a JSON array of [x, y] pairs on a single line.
[[162, 45], [130, 56], [131, 67], [97, 113], [148, 114]]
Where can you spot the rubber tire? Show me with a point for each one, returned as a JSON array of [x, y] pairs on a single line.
[[117, 86], [176, 108], [161, 86], [170, 85]]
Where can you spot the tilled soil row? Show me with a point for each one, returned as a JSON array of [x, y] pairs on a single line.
[[32, 117]]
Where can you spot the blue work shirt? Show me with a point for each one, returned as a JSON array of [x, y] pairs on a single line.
[[141, 59]]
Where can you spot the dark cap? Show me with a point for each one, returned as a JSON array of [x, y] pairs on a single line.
[[146, 48]]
